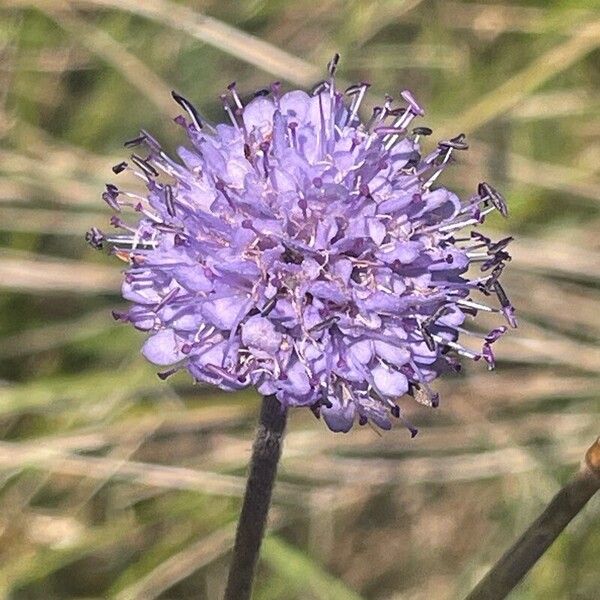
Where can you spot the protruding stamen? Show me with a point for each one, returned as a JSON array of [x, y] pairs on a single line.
[[167, 227], [388, 130], [152, 143], [495, 334], [276, 89], [189, 108], [456, 143], [422, 131], [236, 98], [509, 315], [404, 117], [324, 324], [119, 167], [427, 338], [268, 307], [332, 65], [125, 241], [229, 111], [495, 260], [110, 197], [485, 190], [166, 299], [500, 245], [359, 95], [441, 166], [413, 105], [292, 127], [169, 200], [423, 394], [319, 88], [457, 348], [440, 312], [476, 305], [264, 146], [166, 374], [95, 238], [376, 117], [144, 165], [135, 141], [488, 355], [502, 297]]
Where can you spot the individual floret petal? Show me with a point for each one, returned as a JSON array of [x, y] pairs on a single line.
[[389, 382], [162, 348], [339, 416], [258, 333]]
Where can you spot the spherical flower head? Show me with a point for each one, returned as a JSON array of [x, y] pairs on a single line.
[[308, 253]]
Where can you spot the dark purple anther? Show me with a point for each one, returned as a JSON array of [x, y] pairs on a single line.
[[488, 356], [119, 167], [456, 143], [495, 260], [355, 89], [276, 89], [324, 324], [495, 334], [135, 141], [500, 245], [502, 297], [414, 106], [509, 315], [485, 190], [332, 65], [144, 165], [111, 199], [169, 200], [180, 240], [95, 238], [166, 374], [189, 108], [422, 131], [428, 338]]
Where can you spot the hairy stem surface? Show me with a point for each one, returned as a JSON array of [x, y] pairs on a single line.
[[251, 526]]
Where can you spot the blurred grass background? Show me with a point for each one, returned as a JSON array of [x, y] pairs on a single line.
[[114, 484]]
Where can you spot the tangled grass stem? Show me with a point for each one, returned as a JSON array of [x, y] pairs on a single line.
[[520, 558]]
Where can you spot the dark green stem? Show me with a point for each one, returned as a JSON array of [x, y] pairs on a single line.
[[251, 526]]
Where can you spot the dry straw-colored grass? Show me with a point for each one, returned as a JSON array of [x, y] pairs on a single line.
[[114, 484]]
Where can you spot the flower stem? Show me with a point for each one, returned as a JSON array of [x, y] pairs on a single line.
[[525, 552], [251, 526]]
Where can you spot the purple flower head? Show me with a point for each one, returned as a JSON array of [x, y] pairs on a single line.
[[308, 253]]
